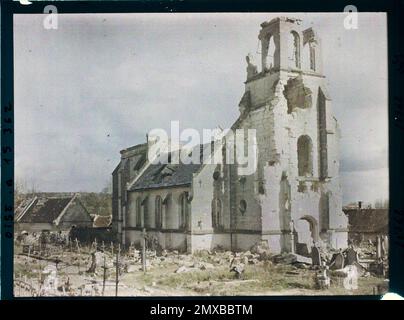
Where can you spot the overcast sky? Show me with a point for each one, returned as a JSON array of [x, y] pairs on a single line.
[[99, 83]]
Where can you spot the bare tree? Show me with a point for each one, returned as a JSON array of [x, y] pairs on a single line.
[[108, 187]]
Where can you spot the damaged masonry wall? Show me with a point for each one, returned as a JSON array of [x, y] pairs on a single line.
[[293, 200]]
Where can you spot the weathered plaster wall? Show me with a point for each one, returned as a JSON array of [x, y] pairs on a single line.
[[282, 103], [170, 235]]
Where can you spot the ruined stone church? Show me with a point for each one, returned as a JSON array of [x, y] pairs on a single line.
[[293, 199]]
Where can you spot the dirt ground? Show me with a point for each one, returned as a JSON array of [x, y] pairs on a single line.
[[171, 274]]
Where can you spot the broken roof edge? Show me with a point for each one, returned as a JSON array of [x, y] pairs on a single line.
[[82, 205], [132, 148], [75, 197], [280, 18], [141, 172], [179, 185], [26, 209], [325, 92], [57, 220], [203, 165]]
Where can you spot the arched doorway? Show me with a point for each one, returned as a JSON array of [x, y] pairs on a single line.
[[307, 234], [304, 156], [313, 227]]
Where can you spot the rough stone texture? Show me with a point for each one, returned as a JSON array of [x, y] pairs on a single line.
[[274, 204]]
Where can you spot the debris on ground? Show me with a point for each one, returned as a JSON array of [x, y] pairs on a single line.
[[262, 250], [322, 279], [77, 269]]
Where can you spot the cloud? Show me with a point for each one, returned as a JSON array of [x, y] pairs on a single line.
[[99, 83]]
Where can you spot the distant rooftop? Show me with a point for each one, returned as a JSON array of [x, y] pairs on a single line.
[[43, 210]]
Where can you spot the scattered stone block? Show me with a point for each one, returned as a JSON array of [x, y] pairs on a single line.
[[182, 269], [262, 249], [238, 270], [206, 266], [351, 256], [315, 256], [302, 249], [337, 261], [285, 258], [351, 280], [322, 279], [303, 259]]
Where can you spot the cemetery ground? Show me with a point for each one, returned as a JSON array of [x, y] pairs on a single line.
[[84, 271]]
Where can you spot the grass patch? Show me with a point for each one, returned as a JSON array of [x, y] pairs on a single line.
[[188, 279]]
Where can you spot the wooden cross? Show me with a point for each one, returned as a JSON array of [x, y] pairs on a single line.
[[144, 234], [77, 245]]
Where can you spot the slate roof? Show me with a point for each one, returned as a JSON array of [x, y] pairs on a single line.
[[157, 176], [166, 175], [22, 205], [368, 220], [138, 161], [45, 210]]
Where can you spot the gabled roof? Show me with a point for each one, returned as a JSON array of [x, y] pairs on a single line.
[[44, 210], [156, 176], [23, 206], [165, 175]]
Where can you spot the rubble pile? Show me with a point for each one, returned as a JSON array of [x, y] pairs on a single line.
[[88, 270]]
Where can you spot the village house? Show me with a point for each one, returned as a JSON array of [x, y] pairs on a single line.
[[291, 201], [366, 224], [46, 213], [102, 221]]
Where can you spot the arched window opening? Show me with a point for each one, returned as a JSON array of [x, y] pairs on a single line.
[[183, 211], [146, 217], [126, 217], [312, 58], [268, 53], [271, 52], [158, 210], [138, 212], [217, 214], [307, 234], [305, 156], [324, 212], [243, 206], [130, 215], [294, 49], [306, 57]]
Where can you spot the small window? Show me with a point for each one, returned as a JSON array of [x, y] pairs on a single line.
[[146, 217], [183, 218], [269, 53], [312, 58], [243, 206], [158, 210], [294, 49], [305, 156], [217, 214], [138, 212]]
